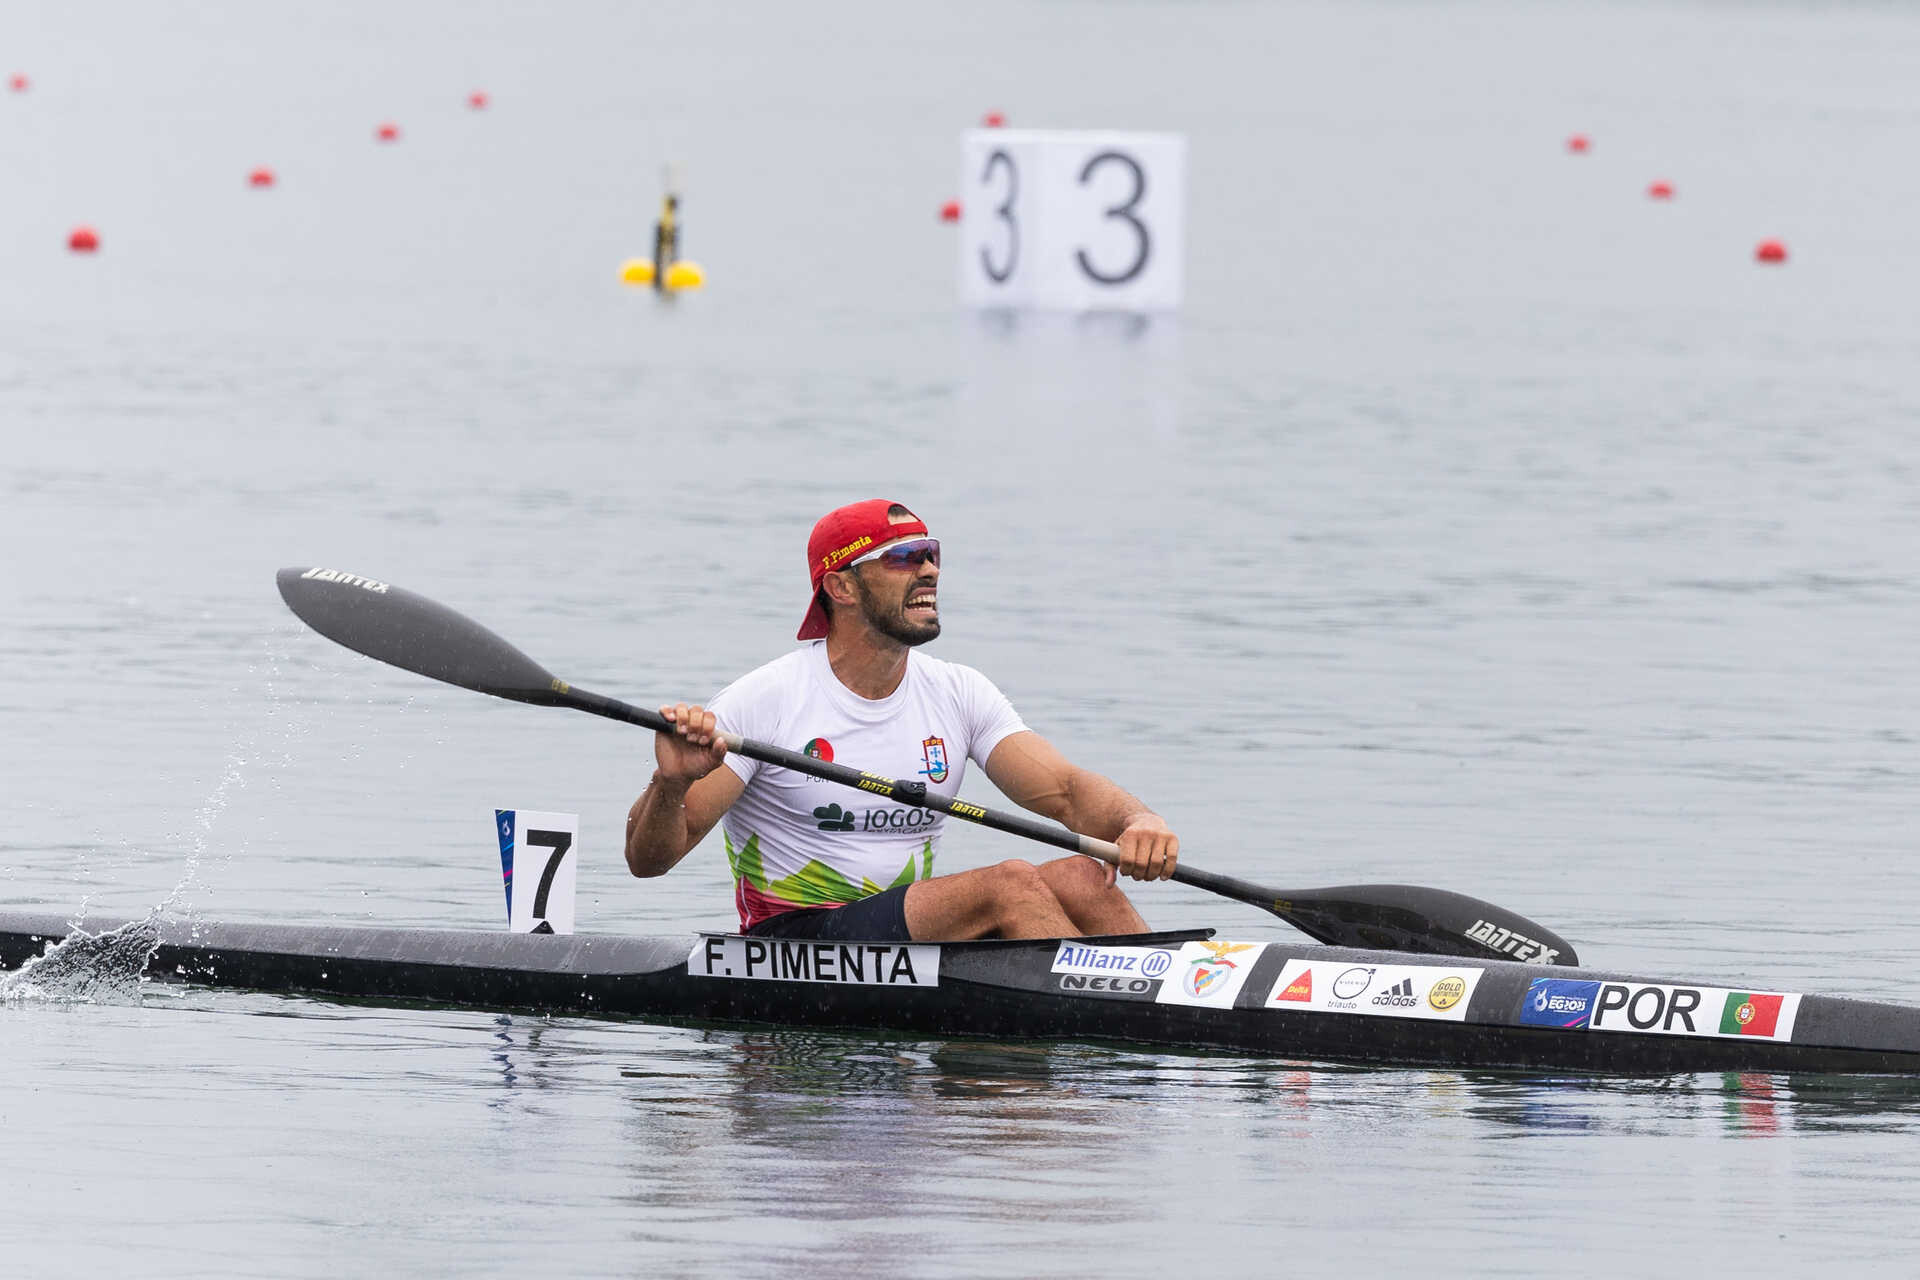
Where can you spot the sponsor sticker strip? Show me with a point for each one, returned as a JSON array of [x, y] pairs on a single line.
[[864, 964], [1654, 1008], [1117, 973], [1438, 993], [1204, 974], [1210, 974]]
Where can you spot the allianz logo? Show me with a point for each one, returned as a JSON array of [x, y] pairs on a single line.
[[1080, 959]]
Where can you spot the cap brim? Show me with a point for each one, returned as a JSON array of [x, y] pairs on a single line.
[[814, 625]]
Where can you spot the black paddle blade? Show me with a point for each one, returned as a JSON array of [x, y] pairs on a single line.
[[1405, 917], [415, 634]]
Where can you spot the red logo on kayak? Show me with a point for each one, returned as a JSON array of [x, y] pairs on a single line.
[[1211, 973], [819, 749], [1301, 988]]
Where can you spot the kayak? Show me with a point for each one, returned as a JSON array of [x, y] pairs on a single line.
[[1181, 990]]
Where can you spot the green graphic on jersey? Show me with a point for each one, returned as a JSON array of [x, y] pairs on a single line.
[[745, 861], [816, 884]]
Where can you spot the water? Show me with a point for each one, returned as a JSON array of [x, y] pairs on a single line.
[[1478, 523]]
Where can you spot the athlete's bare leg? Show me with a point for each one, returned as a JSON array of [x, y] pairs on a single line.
[[1011, 900], [1080, 885]]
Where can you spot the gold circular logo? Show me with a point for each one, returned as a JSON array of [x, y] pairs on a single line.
[[1446, 993]]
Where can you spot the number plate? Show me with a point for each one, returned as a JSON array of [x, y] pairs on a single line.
[[537, 857], [1073, 221]]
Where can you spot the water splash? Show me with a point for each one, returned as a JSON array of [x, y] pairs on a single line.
[[111, 967], [232, 778], [89, 968]]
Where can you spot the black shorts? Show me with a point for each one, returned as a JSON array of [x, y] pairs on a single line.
[[881, 918]]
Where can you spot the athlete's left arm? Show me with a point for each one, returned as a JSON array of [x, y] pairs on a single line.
[[1033, 774]]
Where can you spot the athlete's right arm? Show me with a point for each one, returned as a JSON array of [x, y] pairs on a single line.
[[689, 792]]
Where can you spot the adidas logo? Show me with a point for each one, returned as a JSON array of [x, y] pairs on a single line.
[[1398, 996]]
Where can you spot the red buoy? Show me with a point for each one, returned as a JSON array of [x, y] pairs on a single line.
[[993, 120], [1770, 251], [261, 177], [477, 100], [1661, 189], [17, 82], [950, 211], [1578, 144], [388, 133], [83, 240]]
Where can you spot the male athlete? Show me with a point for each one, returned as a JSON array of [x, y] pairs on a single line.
[[813, 859]]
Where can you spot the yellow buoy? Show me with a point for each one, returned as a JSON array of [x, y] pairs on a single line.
[[637, 271], [685, 275]]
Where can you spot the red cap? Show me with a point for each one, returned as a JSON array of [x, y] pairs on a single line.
[[843, 536]]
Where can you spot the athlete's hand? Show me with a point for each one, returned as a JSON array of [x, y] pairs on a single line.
[[694, 749], [1148, 851]]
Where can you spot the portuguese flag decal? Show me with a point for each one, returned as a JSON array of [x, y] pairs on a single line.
[[1750, 1014]]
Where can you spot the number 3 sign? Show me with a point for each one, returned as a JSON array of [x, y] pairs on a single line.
[[1072, 221]]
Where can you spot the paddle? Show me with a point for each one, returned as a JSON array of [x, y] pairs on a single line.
[[419, 635]]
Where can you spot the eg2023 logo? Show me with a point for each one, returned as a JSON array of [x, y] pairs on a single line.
[[1657, 1009]]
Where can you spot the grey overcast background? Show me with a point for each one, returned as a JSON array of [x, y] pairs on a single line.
[[1478, 522]]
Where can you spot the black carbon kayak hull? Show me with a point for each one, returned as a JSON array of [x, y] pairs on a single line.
[[1299, 1002]]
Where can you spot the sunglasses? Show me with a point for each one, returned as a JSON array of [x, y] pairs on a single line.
[[904, 555]]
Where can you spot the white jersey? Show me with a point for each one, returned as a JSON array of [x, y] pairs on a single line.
[[794, 841]]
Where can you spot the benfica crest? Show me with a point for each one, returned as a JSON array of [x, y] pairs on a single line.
[[934, 752], [1212, 972]]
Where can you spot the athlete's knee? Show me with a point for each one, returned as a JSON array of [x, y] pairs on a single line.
[[1018, 884], [1080, 876], [1021, 896], [1019, 876]]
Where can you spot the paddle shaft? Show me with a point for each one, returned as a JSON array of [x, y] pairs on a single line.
[[904, 791]]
